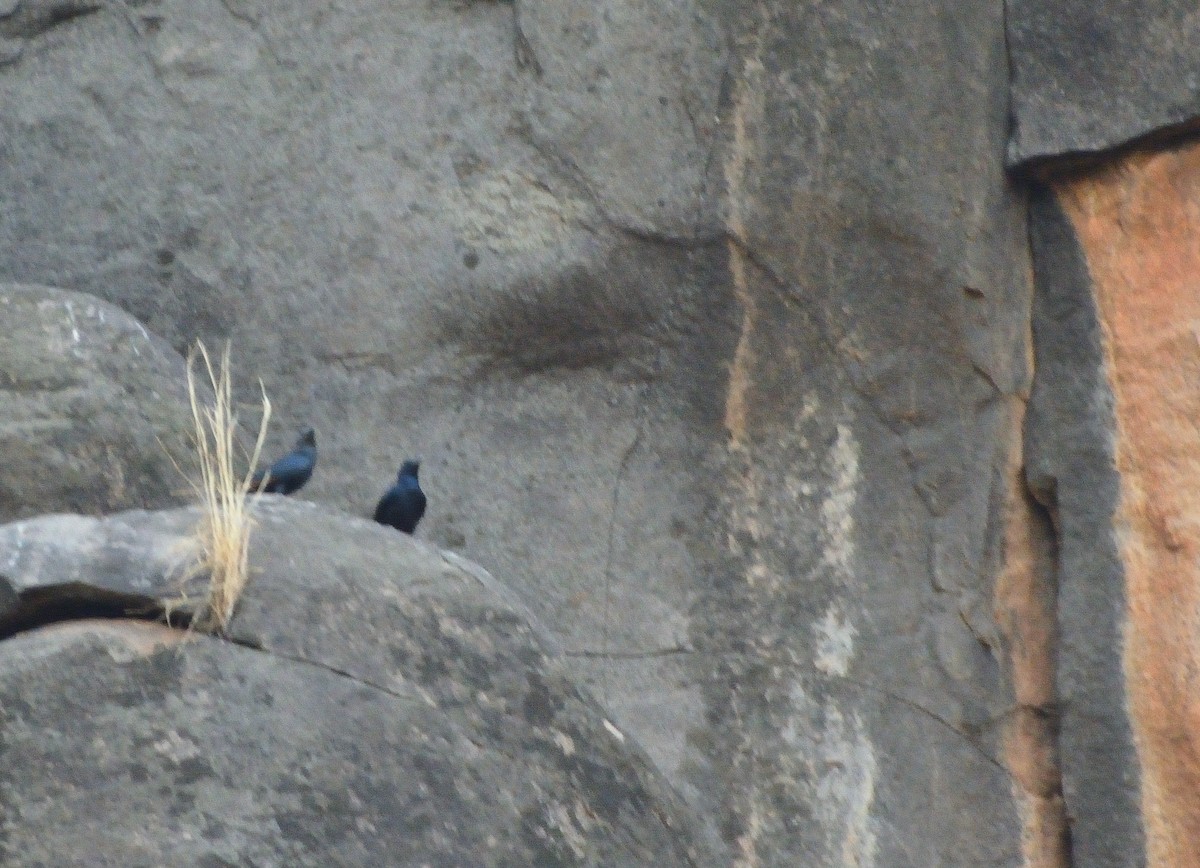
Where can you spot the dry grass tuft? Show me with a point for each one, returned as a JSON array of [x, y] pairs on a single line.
[[223, 534]]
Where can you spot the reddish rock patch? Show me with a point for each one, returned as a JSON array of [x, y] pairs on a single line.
[[1138, 223]]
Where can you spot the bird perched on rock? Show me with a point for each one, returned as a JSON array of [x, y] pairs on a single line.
[[290, 472], [404, 503]]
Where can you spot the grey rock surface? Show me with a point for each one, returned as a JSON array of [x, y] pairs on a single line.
[[377, 704], [409, 223], [1071, 468], [708, 321], [881, 262], [93, 408], [1088, 77]]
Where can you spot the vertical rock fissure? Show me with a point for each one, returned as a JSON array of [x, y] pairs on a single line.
[[1025, 602], [610, 545], [1010, 75], [1027, 605]]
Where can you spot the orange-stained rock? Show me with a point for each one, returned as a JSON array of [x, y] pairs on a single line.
[[1138, 223], [1025, 612]]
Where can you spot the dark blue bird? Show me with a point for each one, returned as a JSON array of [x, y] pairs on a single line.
[[290, 472], [404, 503]]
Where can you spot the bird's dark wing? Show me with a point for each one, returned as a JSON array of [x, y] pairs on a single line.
[[291, 465], [386, 505], [288, 474], [401, 508]]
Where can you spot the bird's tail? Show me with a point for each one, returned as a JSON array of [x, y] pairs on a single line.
[[257, 480]]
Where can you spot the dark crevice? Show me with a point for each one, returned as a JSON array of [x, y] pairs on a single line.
[[1069, 165], [1044, 506], [35, 17], [588, 654], [247, 642], [45, 606], [1041, 488], [614, 513], [523, 51], [252, 643], [969, 738], [1011, 132], [40, 607]]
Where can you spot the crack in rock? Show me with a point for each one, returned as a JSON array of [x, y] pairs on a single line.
[[38, 607]]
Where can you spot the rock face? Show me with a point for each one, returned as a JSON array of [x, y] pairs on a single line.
[[716, 327], [1070, 469], [93, 408], [879, 259], [709, 342], [1129, 633], [1088, 77], [378, 704]]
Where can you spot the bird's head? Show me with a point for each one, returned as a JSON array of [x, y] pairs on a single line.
[[308, 438], [410, 468]]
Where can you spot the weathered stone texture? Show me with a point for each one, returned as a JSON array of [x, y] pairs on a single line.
[[1026, 612], [93, 408], [379, 704], [709, 319], [1138, 224], [877, 254], [1092, 76], [424, 228], [1111, 439], [1070, 468]]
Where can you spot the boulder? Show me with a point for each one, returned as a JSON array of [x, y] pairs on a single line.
[[375, 702], [93, 408]]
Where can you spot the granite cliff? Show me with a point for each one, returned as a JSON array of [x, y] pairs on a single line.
[[817, 378]]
